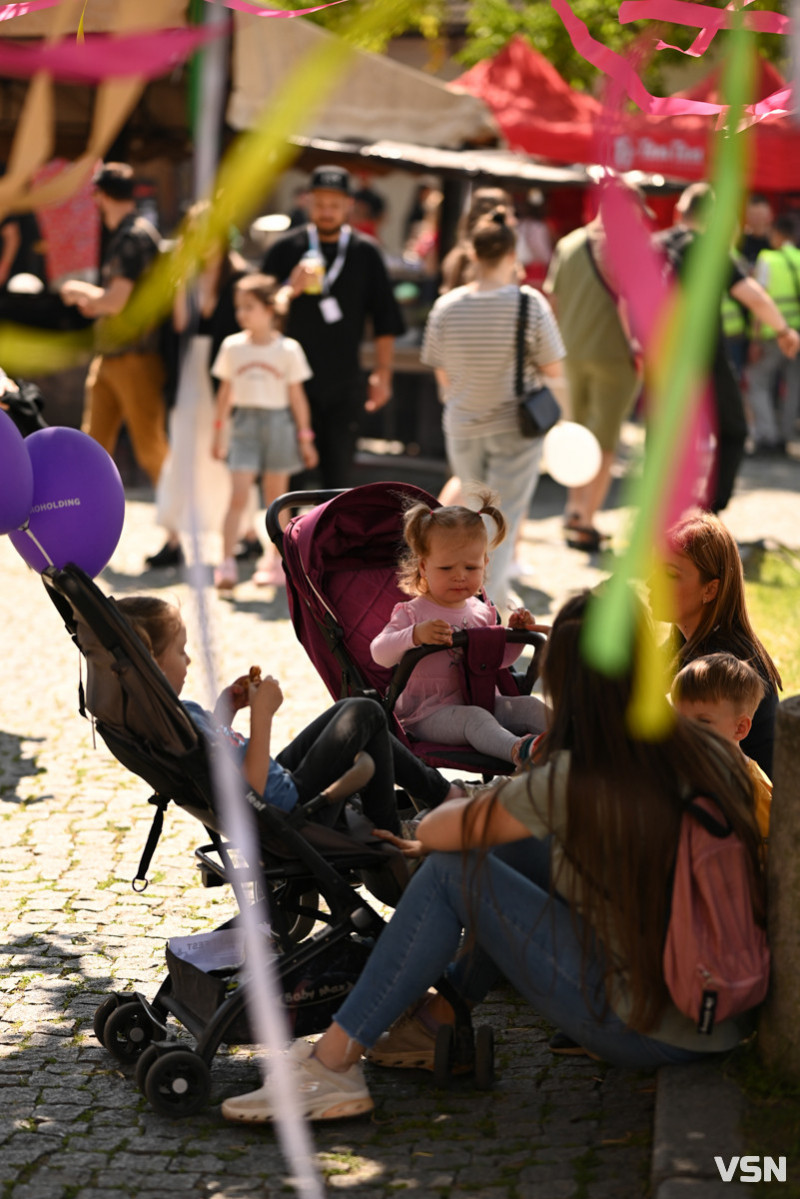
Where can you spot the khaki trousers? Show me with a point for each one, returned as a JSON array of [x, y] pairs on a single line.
[[128, 389]]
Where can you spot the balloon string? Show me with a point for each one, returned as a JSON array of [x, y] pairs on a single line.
[[26, 529]]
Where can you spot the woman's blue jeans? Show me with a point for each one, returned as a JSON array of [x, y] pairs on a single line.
[[530, 938]]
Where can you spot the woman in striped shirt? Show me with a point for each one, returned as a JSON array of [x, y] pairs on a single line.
[[470, 341]]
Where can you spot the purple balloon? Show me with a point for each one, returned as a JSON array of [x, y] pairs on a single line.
[[78, 502], [16, 476]]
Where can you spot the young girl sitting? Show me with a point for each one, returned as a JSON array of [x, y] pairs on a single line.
[[314, 759], [444, 568], [271, 437]]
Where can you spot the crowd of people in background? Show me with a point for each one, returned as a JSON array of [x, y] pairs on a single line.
[[334, 286]]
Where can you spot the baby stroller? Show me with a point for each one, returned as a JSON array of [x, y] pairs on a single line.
[[340, 560], [143, 723]]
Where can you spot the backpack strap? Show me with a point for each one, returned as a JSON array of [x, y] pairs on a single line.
[[522, 322], [697, 807]]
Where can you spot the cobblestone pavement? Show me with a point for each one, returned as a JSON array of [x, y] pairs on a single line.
[[73, 826]]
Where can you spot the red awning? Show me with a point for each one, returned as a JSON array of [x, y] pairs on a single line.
[[542, 115]]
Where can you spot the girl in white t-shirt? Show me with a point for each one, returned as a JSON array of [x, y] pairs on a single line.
[[261, 396]]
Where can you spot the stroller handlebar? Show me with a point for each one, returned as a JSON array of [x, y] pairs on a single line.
[[293, 499]]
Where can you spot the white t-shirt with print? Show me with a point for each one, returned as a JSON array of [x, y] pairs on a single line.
[[260, 375]]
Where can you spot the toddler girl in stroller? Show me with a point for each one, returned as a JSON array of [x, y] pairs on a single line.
[[443, 568], [316, 757]]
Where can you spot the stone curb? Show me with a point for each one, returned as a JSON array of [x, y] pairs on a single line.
[[697, 1117]]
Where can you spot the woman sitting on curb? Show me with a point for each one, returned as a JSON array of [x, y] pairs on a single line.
[[709, 610], [579, 931]]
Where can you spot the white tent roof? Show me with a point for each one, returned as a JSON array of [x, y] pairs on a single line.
[[378, 97]]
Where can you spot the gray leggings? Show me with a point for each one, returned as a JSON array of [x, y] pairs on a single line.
[[456, 724]]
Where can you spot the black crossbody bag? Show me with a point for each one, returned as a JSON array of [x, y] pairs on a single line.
[[538, 409]]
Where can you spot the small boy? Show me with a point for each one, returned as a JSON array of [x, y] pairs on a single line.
[[723, 692]]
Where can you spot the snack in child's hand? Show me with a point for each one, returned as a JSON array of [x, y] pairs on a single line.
[[253, 677]]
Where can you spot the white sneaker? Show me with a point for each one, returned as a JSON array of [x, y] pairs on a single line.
[[324, 1094]]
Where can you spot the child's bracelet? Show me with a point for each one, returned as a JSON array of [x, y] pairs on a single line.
[[305, 435]]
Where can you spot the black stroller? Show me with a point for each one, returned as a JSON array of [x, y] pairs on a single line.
[[146, 728]]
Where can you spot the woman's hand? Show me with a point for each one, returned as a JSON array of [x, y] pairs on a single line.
[[409, 849], [308, 454], [433, 632]]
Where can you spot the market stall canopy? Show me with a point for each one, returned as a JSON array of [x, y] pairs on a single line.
[[377, 97], [537, 111], [496, 166], [540, 114]]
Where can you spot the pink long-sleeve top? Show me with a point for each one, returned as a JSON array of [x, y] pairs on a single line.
[[436, 681]]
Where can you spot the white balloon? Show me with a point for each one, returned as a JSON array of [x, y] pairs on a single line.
[[572, 454]]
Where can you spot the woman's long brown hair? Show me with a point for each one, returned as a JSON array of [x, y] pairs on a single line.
[[705, 541], [625, 798]]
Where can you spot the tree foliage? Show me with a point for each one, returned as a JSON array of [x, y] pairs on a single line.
[[492, 23]]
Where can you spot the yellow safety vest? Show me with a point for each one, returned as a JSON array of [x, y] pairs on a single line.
[[734, 320], [783, 284]]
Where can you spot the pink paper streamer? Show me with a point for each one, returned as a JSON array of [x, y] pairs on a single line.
[[242, 6], [622, 73], [710, 20], [620, 70], [9, 11], [639, 270], [705, 37], [101, 57]]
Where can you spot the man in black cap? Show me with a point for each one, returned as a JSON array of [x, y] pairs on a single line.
[[335, 279], [124, 384]]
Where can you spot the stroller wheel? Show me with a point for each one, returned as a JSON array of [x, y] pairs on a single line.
[[103, 1011], [178, 1083], [143, 1064], [128, 1031], [484, 1057], [443, 1054], [284, 897]]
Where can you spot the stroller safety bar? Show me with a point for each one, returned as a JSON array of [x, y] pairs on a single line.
[[411, 657]]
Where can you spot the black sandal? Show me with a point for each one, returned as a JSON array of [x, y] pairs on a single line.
[[584, 537]]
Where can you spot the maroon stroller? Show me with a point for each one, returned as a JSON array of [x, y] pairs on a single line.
[[340, 560]]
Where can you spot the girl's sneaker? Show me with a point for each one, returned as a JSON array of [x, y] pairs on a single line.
[[324, 1094], [226, 576]]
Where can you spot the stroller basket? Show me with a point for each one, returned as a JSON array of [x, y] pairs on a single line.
[[312, 991]]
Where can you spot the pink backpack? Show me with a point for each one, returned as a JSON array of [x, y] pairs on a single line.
[[716, 960]]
